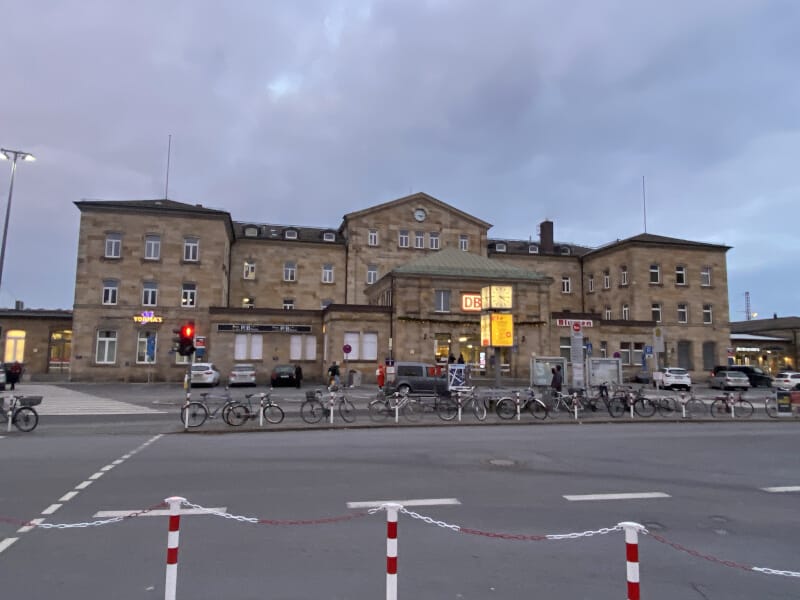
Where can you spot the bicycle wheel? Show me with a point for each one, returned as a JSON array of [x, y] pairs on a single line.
[[644, 407], [311, 411], [447, 409], [412, 411], [25, 418], [667, 407], [347, 410], [695, 408], [538, 409], [771, 407], [479, 409], [272, 413], [235, 414], [719, 408], [194, 414], [743, 409], [379, 410], [506, 408], [615, 406]]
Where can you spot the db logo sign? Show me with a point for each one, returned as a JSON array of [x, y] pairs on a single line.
[[471, 302]]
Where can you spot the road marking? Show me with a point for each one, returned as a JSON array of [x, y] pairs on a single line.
[[785, 488], [51, 509], [32, 524], [97, 475], [68, 496], [84, 485], [159, 512], [6, 543], [420, 502], [107, 468], [633, 496]]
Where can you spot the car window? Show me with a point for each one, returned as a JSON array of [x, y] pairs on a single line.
[[242, 367], [199, 367], [678, 372], [409, 371], [737, 375]]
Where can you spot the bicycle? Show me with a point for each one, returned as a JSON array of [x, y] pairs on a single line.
[[239, 411], [733, 405], [508, 408], [313, 409], [383, 407], [558, 403], [20, 412], [454, 406], [195, 413], [693, 407]]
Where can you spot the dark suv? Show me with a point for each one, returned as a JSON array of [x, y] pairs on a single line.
[[418, 377], [756, 376]]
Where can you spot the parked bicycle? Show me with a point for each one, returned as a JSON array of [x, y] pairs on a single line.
[[384, 407], [692, 407], [314, 408], [458, 402], [18, 411], [731, 405], [559, 403], [195, 413], [267, 408], [508, 408]]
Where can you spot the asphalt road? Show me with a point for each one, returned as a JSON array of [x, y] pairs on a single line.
[[707, 478]]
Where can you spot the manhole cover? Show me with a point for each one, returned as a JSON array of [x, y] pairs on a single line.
[[502, 462]]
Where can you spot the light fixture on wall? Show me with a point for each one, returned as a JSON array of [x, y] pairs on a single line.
[[424, 336]]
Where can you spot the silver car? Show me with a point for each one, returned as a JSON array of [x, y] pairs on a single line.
[[729, 380], [205, 374], [242, 374]]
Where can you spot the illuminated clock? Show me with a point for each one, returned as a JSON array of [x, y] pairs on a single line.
[[420, 214], [496, 296]]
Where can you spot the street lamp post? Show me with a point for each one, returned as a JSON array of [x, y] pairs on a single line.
[[12, 155]]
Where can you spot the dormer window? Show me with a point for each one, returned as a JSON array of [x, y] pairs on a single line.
[[533, 249], [565, 250], [251, 231], [328, 237], [500, 247], [290, 234]]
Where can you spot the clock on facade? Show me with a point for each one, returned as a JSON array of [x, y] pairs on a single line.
[[420, 214], [496, 296]]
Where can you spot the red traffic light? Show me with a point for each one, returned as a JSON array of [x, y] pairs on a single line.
[[187, 331]]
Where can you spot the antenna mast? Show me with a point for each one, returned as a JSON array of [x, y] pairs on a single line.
[[169, 151], [748, 314], [644, 204]]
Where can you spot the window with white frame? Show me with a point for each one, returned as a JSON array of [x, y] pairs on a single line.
[[402, 238], [606, 279], [247, 346], [113, 245], [369, 346], [603, 349], [626, 312], [110, 291], [288, 304], [302, 347], [655, 312], [351, 338], [433, 239], [590, 283], [290, 234], [441, 300], [623, 275], [463, 242], [683, 313], [290, 271], [328, 236], [680, 275], [638, 350], [607, 313], [500, 247], [146, 349], [189, 295], [149, 293], [106, 348], [419, 239], [182, 360], [327, 273], [565, 250], [625, 352], [372, 237], [191, 249], [705, 276], [566, 284], [249, 270], [533, 249], [565, 348], [655, 273], [152, 247], [708, 314], [372, 274]]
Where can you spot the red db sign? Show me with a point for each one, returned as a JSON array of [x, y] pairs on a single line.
[[471, 302]]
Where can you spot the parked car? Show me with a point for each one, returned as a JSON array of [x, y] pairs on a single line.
[[242, 374], [205, 374], [756, 376], [729, 380], [786, 380], [672, 378], [282, 376], [418, 377]]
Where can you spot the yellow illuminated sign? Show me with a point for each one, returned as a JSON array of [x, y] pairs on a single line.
[[497, 329], [147, 317]]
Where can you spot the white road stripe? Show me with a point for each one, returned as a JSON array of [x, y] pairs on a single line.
[[51, 509], [6, 543], [633, 496], [159, 512], [97, 475], [420, 502], [27, 528], [107, 468], [68, 496], [785, 488], [84, 485]]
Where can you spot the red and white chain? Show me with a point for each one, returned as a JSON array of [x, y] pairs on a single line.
[[258, 521]]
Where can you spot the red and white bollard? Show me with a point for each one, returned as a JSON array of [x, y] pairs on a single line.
[[171, 584], [391, 550], [632, 555]]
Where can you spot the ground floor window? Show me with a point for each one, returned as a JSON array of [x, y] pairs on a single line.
[[146, 347], [709, 355], [363, 346], [302, 347], [60, 351], [15, 346], [248, 347], [441, 347], [106, 350], [565, 348]]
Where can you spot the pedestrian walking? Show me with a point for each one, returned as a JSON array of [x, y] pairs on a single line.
[[557, 380], [333, 374], [14, 374], [298, 376]]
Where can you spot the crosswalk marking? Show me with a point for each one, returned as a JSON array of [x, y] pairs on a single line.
[[784, 488], [630, 496], [62, 401]]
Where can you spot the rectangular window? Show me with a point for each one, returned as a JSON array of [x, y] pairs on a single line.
[[463, 242], [372, 274], [566, 284], [288, 304], [149, 293], [433, 238], [419, 239], [606, 279], [113, 245], [290, 271], [655, 312], [302, 347], [441, 300], [351, 338], [311, 347], [189, 295], [369, 346], [626, 312], [248, 346], [146, 347], [705, 277], [110, 288], [680, 275], [564, 348], [603, 349], [249, 270], [372, 237], [638, 349], [402, 238], [708, 314], [106, 350], [191, 249], [590, 283], [607, 315], [625, 352], [623, 276], [327, 273], [683, 313], [152, 247], [182, 360], [655, 274]]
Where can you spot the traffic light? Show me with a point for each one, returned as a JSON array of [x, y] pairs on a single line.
[[185, 339]]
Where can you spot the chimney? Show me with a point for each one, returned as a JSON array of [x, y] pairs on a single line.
[[546, 237], [19, 305]]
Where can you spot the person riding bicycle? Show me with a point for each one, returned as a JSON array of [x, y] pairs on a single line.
[[333, 374]]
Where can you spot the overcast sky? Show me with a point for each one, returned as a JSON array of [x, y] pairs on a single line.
[[297, 112]]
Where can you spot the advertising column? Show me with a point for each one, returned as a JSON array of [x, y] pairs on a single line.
[[576, 356]]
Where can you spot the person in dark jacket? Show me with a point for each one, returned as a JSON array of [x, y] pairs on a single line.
[[298, 375], [557, 379], [14, 374]]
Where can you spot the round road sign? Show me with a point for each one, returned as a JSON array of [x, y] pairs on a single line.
[[347, 349], [576, 327]]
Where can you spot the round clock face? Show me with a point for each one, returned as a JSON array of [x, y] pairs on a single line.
[[420, 214]]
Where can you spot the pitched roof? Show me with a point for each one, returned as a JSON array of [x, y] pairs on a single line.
[[650, 239], [452, 262], [158, 204], [759, 325], [278, 233], [412, 198]]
